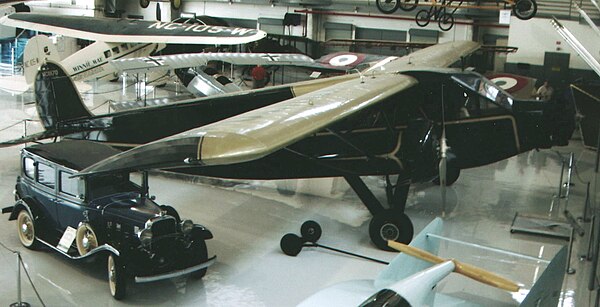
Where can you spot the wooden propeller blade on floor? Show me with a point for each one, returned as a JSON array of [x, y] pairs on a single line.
[[468, 270]]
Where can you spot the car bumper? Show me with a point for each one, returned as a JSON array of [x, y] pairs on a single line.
[[143, 279]]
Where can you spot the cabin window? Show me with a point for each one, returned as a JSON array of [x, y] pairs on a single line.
[[107, 54], [124, 47], [46, 175], [70, 186], [29, 168], [115, 50]]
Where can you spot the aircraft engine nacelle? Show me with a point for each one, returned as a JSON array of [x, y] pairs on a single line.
[[419, 150]]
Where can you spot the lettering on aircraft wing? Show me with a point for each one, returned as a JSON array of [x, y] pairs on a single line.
[[129, 30], [155, 62], [270, 57], [171, 26]]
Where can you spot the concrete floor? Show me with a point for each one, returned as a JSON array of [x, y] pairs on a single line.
[[249, 218]]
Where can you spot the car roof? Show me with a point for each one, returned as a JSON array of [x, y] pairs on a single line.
[[72, 154]]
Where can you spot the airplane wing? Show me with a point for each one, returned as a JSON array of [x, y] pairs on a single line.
[[436, 56], [260, 132], [131, 30], [198, 59]]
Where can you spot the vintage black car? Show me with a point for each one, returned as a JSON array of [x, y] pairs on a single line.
[[107, 214]]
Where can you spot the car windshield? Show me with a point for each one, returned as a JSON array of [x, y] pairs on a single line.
[[104, 185]]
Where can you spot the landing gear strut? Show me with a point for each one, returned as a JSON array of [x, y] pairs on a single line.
[[387, 223]]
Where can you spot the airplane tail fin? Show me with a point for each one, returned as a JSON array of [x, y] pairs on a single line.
[[404, 265], [57, 98], [546, 290], [38, 49]]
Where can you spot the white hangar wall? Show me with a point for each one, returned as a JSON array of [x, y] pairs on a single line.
[[536, 36]]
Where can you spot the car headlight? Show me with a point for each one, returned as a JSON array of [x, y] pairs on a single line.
[[145, 237], [186, 226]]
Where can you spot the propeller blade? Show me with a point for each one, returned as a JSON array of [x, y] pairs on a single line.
[[471, 271], [442, 168]]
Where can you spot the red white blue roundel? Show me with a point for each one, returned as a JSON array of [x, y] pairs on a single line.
[[342, 59], [509, 82]]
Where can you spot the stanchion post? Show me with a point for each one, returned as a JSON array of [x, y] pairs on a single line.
[[588, 254], [19, 302], [562, 172], [569, 269], [586, 206]]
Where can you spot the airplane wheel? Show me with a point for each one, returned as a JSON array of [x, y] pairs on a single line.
[[144, 3], [422, 18], [85, 239], [390, 225], [408, 5], [26, 229], [311, 231], [291, 244], [175, 4], [525, 9], [201, 252], [387, 6], [117, 278], [446, 22]]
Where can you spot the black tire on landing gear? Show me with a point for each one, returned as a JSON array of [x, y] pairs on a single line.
[[390, 225], [201, 252], [117, 277], [311, 231]]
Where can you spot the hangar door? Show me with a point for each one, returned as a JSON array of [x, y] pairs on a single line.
[[377, 35], [271, 25], [337, 31]]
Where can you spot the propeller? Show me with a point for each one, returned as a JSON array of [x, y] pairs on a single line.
[[443, 157], [471, 271]]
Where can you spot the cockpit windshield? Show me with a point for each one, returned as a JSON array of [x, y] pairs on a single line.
[[485, 88]]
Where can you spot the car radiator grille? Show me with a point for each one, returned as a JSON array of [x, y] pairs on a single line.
[[164, 226]]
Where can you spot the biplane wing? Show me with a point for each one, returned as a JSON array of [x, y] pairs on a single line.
[[131, 30], [258, 133], [199, 59]]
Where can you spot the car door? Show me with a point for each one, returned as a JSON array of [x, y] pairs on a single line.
[[70, 204]]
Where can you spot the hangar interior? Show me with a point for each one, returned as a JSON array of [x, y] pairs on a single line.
[[502, 205]]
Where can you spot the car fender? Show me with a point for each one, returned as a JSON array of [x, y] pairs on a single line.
[[201, 232], [24, 204]]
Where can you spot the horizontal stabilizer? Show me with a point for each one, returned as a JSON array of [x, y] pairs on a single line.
[[258, 133], [200, 59], [30, 138], [131, 30]]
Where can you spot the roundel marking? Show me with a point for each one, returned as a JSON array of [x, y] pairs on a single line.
[[343, 60]]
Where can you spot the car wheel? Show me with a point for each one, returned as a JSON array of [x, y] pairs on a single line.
[[390, 225], [26, 229], [85, 239], [201, 253], [117, 281]]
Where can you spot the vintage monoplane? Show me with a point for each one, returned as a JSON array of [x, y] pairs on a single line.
[[116, 39], [388, 120]]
